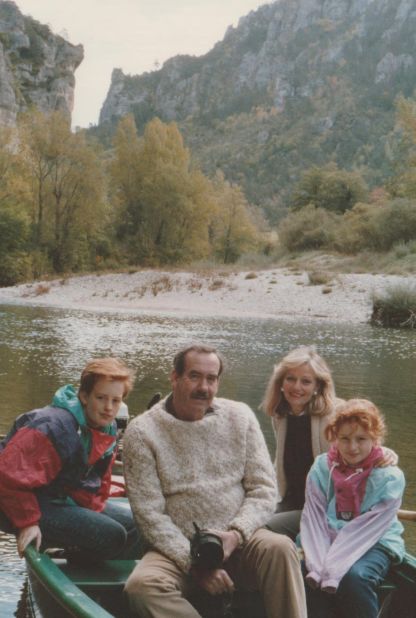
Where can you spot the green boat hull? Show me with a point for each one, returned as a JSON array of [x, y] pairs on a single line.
[[63, 590], [59, 589]]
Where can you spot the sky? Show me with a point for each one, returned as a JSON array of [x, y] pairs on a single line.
[[132, 35]]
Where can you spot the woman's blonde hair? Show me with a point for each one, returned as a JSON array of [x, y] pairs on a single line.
[[320, 404], [361, 412]]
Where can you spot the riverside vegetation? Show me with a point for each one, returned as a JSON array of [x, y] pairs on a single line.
[[395, 307], [319, 154], [69, 205]]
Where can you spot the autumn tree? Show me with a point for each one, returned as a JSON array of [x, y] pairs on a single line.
[[124, 164], [164, 204], [330, 188], [403, 182], [65, 187], [233, 230]]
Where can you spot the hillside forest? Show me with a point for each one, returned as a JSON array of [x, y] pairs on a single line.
[[70, 204]]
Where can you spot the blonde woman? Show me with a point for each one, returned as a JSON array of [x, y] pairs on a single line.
[[300, 399]]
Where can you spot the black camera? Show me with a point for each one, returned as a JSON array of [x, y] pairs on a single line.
[[206, 549]]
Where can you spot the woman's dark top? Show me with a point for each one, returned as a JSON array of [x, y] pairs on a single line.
[[298, 458]]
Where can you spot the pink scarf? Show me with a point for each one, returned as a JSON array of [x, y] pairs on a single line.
[[350, 481]]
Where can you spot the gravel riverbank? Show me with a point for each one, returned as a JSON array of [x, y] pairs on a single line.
[[271, 293]]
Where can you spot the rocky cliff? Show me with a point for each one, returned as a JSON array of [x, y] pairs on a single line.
[[297, 82], [36, 66]]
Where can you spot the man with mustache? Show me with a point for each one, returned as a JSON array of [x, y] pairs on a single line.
[[194, 457]]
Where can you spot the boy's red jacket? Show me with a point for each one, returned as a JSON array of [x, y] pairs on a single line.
[[45, 453]]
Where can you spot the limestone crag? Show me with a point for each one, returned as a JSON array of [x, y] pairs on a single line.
[[266, 59], [297, 83], [36, 66]]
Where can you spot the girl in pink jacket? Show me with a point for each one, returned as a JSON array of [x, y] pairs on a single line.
[[350, 533]]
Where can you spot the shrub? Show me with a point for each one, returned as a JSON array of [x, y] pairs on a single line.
[[162, 284], [194, 284], [42, 288], [395, 307], [40, 264], [319, 277], [216, 284], [14, 269], [309, 228], [397, 223], [377, 227], [357, 229], [401, 250]]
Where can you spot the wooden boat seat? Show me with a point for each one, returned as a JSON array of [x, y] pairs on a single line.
[[111, 573], [111, 576]]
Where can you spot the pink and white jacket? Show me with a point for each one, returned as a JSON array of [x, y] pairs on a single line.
[[331, 545]]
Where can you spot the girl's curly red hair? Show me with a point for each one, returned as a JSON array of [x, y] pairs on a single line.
[[361, 412]]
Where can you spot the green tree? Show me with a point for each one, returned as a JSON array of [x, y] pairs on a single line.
[[330, 188], [13, 219], [8, 174], [13, 239]]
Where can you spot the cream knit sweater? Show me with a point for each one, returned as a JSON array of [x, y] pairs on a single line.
[[216, 472]]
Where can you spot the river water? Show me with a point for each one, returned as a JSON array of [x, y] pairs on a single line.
[[43, 348]]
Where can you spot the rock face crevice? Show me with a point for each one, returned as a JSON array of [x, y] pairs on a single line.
[[36, 66]]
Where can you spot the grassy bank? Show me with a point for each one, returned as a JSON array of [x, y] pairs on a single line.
[[395, 307]]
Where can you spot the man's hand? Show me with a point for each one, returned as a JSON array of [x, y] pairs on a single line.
[[230, 541], [26, 536], [215, 582]]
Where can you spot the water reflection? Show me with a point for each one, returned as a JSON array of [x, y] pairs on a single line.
[[12, 578], [41, 348]]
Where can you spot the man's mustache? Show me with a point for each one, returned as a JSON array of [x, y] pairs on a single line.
[[199, 395]]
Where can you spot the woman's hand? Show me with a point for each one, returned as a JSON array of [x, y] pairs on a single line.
[[390, 458], [26, 536]]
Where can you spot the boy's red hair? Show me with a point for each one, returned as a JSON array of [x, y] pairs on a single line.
[[111, 368]]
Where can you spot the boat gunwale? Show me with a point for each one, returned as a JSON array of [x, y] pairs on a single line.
[[61, 588]]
